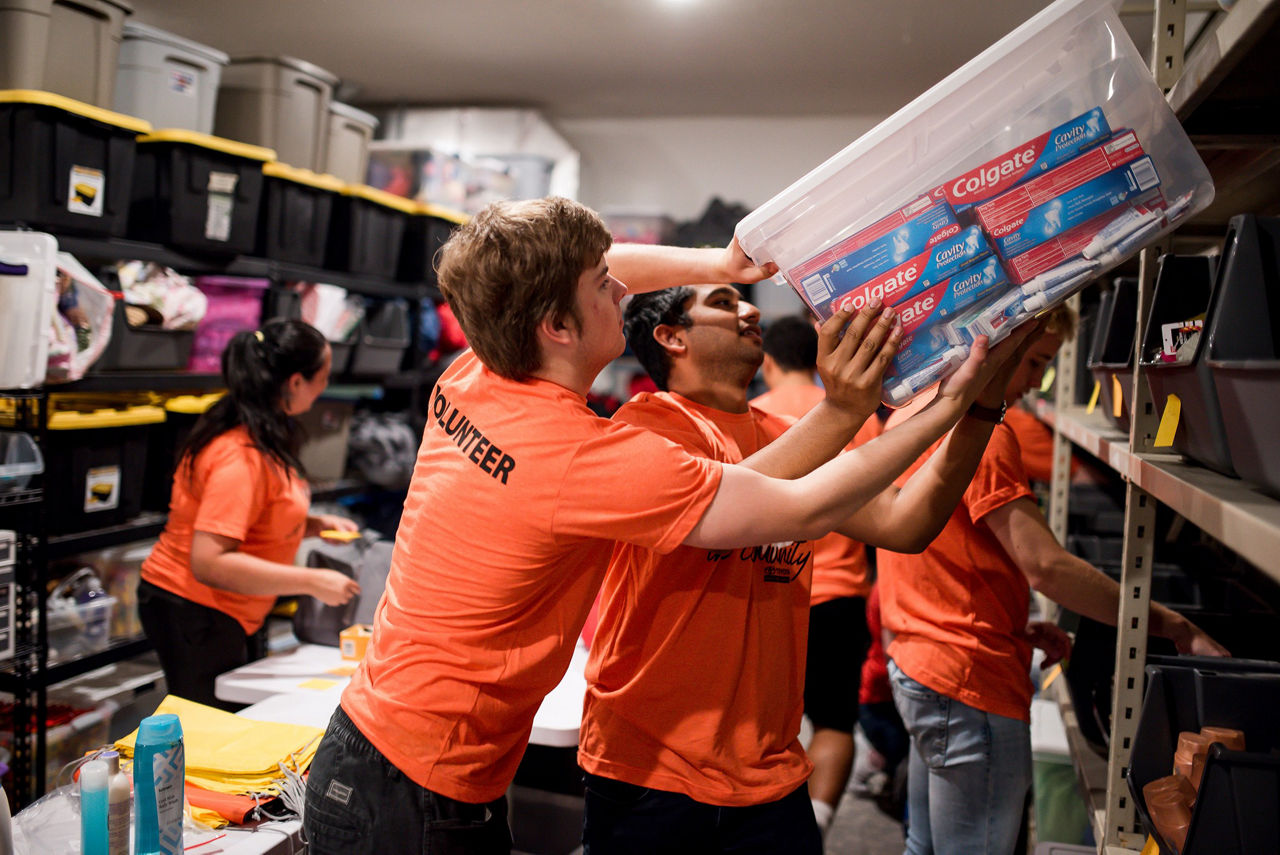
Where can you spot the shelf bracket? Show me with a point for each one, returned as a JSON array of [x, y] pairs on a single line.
[[1168, 42]]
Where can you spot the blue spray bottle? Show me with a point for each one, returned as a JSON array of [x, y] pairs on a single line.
[[159, 773]]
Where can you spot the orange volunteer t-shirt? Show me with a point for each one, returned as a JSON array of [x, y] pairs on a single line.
[[1035, 440], [695, 682], [235, 491], [518, 496], [839, 562], [959, 609]]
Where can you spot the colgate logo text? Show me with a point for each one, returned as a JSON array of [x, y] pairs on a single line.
[[991, 176], [886, 288]]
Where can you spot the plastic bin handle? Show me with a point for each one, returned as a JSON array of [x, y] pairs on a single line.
[[13, 269]]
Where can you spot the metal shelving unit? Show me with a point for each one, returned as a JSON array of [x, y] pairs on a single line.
[[1224, 92]]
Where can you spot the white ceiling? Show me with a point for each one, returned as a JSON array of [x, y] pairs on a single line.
[[613, 58]]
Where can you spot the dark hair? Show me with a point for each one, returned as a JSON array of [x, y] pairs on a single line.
[[793, 343], [644, 314], [256, 366], [512, 265]]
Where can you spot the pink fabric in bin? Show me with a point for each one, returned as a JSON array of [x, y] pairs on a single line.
[[235, 304]]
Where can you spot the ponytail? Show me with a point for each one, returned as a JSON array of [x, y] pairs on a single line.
[[256, 365]]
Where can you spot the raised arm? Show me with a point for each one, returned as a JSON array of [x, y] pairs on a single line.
[[644, 267]]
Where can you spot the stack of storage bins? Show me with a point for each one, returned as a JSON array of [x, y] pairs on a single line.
[[278, 102], [170, 81], [69, 47], [77, 163]]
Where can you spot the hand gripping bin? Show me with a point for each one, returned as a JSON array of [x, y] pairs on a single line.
[[1111, 356], [1186, 288], [1244, 347], [197, 192], [1235, 809], [985, 127], [277, 102], [296, 214], [65, 165], [367, 230], [426, 231], [170, 81]]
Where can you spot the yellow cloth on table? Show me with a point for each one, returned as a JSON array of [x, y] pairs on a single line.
[[230, 754]]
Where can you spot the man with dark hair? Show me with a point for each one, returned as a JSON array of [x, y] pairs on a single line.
[[694, 685], [838, 636], [517, 499]]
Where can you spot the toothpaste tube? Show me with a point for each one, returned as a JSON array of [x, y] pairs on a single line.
[[933, 265], [991, 319], [1033, 303], [1060, 274], [928, 308], [1032, 158], [1133, 219], [1178, 208], [889, 243], [1132, 241], [1080, 189], [902, 389], [1066, 246]]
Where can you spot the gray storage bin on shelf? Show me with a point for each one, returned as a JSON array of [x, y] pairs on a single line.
[[170, 81], [1243, 351], [382, 340], [278, 102], [145, 348], [1111, 354], [1185, 288], [65, 46]]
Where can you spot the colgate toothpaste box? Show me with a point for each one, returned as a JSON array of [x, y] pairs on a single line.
[[1057, 250], [938, 262], [1032, 158], [889, 243], [1094, 182], [922, 315]]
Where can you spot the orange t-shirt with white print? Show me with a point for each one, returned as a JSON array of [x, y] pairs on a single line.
[[234, 490], [695, 682], [959, 609], [518, 496], [839, 562]]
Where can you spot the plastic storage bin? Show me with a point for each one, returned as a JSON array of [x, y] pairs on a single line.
[[367, 231], [80, 630], [278, 102], [328, 427], [1111, 356], [425, 232], [197, 192], [170, 81], [64, 46], [235, 304], [98, 462], [144, 348], [281, 304], [1185, 288], [28, 294], [67, 165], [1235, 809], [1034, 101], [1244, 347], [20, 459], [382, 340], [347, 154], [296, 213]]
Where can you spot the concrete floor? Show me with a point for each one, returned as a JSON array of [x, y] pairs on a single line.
[[861, 828]]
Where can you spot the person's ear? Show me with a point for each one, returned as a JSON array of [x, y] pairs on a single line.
[[672, 338], [556, 331], [768, 365], [292, 389]]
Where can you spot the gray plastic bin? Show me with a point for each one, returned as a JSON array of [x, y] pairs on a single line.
[[170, 81], [1111, 354], [382, 340], [277, 102], [1185, 288], [350, 131], [63, 46], [1244, 347]]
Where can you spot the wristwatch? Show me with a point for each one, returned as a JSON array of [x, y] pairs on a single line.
[[994, 415]]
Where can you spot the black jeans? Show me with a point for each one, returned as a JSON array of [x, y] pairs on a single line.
[[195, 643], [623, 819], [360, 804]]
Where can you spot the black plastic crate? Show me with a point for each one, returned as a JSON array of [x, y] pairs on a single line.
[[1235, 810], [1185, 288], [65, 166], [1244, 347], [197, 192], [381, 341], [367, 230], [281, 304], [1111, 353], [145, 348], [98, 461], [426, 230], [297, 207]]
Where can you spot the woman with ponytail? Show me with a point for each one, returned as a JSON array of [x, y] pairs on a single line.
[[239, 509]]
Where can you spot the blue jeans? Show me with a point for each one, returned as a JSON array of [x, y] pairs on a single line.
[[623, 819], [969, 773], [358, 803]]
